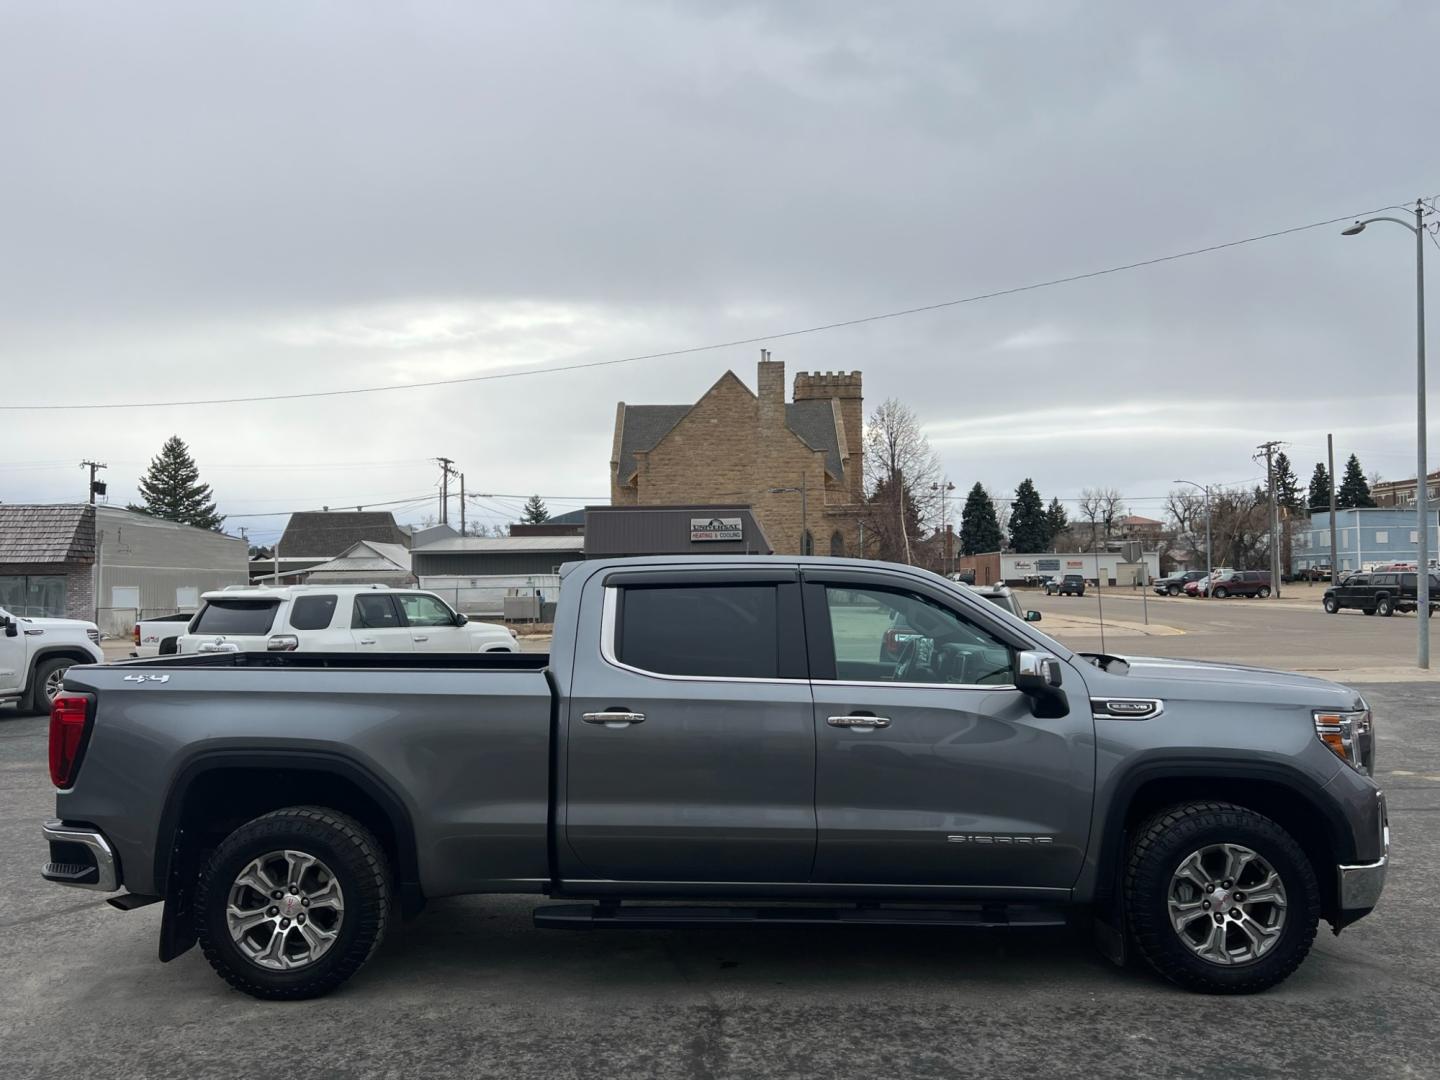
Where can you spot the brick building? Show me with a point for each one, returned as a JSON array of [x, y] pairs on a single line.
[[799, 464]]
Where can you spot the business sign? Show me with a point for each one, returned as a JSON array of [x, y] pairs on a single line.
[[717, 528], [1074, 564], [1042, 565]]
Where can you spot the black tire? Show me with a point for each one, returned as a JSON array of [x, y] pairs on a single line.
[[1385, 606], [1264, 592], [1221, 593], [1162, 844], [1330, 605], [347, 849], [38, 700], [1173, 590]]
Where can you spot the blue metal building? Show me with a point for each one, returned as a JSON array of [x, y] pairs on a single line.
[[1364, 537]]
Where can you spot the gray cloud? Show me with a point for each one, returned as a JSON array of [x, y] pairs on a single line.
[[302, 196]]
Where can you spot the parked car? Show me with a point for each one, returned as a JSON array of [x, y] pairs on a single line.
[[159, 635], [1241, 583], [705, 729], [1199, 587], [336, 618], [1069, 585], [1002, 596], [1174, 584], [36, 653], [1379, 593], [1318, 572]]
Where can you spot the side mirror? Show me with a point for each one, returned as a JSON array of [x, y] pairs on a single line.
[[1032, 616], [460, 619], [12, 628], [1038, 676]]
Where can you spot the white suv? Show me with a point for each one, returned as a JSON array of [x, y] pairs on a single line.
[[36, 653], [336, 618]]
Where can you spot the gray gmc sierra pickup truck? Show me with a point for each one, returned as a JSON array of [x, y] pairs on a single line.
[[727, 740]]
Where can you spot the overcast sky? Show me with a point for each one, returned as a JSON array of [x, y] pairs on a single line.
[[308, 196]]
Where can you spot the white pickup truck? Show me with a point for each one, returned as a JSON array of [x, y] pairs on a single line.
[[336, 618], [36, 653], [151, 635]]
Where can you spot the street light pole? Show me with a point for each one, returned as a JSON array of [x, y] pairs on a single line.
[[1209, 557], [1422, 470]]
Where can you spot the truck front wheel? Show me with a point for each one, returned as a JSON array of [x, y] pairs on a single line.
[[293, 903], [1220, 899]]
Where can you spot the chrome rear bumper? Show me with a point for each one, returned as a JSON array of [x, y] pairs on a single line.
[[80, 857]]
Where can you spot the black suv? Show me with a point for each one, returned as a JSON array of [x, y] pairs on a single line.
[[1069, 585], [1382, 592], [1175, 584]]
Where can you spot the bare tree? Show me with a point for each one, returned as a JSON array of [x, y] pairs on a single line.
[[1186, 509], [1100, 507], [1002, 508], [901, 468]]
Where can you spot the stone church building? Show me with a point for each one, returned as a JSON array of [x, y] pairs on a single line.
[[799, 464]]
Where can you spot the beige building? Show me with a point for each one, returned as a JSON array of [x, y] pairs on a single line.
[[799, 464]]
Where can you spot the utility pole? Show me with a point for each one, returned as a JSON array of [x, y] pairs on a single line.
[[1334, 551], [447, 470], [462, 504], [1268, 449], [97, 487]]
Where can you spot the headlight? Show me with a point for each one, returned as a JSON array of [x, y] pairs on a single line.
[[1348, 734]]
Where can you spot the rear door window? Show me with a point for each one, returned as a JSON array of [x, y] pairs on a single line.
[[237, 616], [313, 612], [718, 631], [374, 612]]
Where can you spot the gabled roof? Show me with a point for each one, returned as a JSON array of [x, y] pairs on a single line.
[[34, 533], [370, 557], [327, 533], [643, 426]]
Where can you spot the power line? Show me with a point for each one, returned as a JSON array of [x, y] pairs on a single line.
[[691, 350]]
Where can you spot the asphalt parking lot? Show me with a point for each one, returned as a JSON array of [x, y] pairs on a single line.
[[471, 989]]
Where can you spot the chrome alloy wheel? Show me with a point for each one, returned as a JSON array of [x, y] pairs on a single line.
[[284, 910], [1227, 904], [54, 683]]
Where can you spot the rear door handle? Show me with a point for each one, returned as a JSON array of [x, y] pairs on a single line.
[[367, 641], [419, 639], [862, 722], [613, 719]]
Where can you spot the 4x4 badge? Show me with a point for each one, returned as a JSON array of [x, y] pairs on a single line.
[[147, 678]]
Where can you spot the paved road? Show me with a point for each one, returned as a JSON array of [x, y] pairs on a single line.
[[471, 989], [1293, 633]]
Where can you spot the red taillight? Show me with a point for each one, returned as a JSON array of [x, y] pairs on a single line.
[[137, 635], [69, 727]]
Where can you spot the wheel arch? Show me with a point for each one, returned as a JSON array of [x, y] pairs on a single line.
[[1287, 796], [243, 784]]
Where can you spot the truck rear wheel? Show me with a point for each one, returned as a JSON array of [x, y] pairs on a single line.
[[1385, 606], [293, 903], [1220, 899]]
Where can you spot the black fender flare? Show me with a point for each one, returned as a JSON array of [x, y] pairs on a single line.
[[177, 933], [1114, 837]]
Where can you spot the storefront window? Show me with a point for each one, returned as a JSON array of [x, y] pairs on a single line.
[[33, 595]]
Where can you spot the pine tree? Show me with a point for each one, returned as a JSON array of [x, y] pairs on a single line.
[[172, 490], [536, 512], [1319, 497], [979, 529], [1354, 491], [1056, 519], [1287, 488], [1029, 527]]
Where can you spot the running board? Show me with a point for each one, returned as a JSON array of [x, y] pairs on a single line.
[[668, 917]]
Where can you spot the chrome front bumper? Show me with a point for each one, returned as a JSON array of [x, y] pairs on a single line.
[[1361, 886], [80, 857]]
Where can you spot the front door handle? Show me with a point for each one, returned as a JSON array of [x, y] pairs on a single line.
[[419, 639], [615, 718], [367, 641], [864, 722]]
